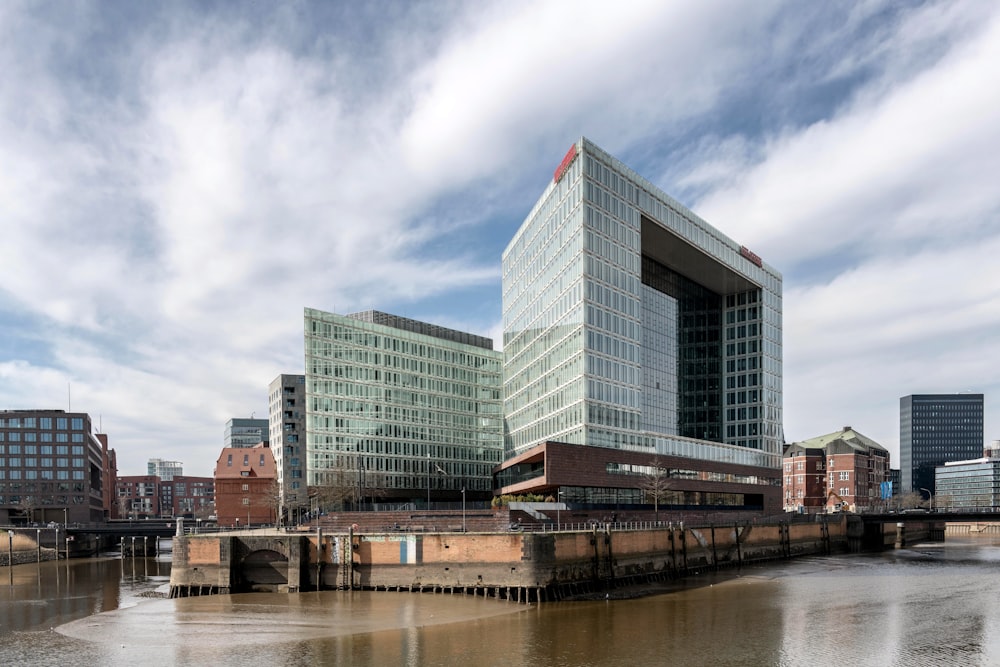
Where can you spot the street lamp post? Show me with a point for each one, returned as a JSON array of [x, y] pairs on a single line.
[[463, 509], [361, 486], [428, 480], [559, 510]]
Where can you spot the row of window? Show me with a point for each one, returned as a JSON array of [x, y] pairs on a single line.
[[32, 487], [42, 474], [44, 436], [62, 423], [63, 500], [401, 345], [33, 462], [32, 450]]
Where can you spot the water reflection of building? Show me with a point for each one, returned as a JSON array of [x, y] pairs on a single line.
[[841, 470], [635, 330]]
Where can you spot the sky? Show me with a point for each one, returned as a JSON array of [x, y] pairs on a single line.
[[179, 180]]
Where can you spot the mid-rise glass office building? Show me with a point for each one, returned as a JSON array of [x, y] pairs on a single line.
[[630, 323], [243, 432], [935, 429], [969, 485], [406, 407]]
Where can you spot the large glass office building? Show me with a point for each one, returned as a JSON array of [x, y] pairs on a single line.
[[405, 407], [969, 485], [935, 429], [632, 324]]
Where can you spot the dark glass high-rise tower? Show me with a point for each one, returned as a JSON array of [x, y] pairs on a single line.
[[933, 429]]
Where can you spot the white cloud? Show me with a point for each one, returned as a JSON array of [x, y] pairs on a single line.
[[886, 171], [170, 205]]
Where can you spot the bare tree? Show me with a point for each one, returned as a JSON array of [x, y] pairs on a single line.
[[272, 500], [337, 487], [27, 506], [909, 500], [375, 485], [944, 501], [655, 483]]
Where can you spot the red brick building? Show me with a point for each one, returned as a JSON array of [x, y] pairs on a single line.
[[149, 496], [245, 486], [837, 471], [137, 497]]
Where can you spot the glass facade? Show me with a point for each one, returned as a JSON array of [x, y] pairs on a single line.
[[245, 432], [968, 485], [631, 323], [935, 429], [403, 405]]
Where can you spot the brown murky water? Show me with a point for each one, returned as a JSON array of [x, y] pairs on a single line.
[[932, 605]]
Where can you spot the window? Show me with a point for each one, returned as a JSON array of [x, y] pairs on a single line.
[[845, 476], [246, 487]]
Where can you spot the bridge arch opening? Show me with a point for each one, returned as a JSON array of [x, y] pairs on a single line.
[[264, 570]]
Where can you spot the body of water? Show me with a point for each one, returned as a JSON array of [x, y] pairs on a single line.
[[935, 604]]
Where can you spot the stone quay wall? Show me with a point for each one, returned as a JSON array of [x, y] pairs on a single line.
[[525, 566]]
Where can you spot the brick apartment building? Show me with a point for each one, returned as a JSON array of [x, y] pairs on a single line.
[[245, 486], [150, 496], [838, 471]]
